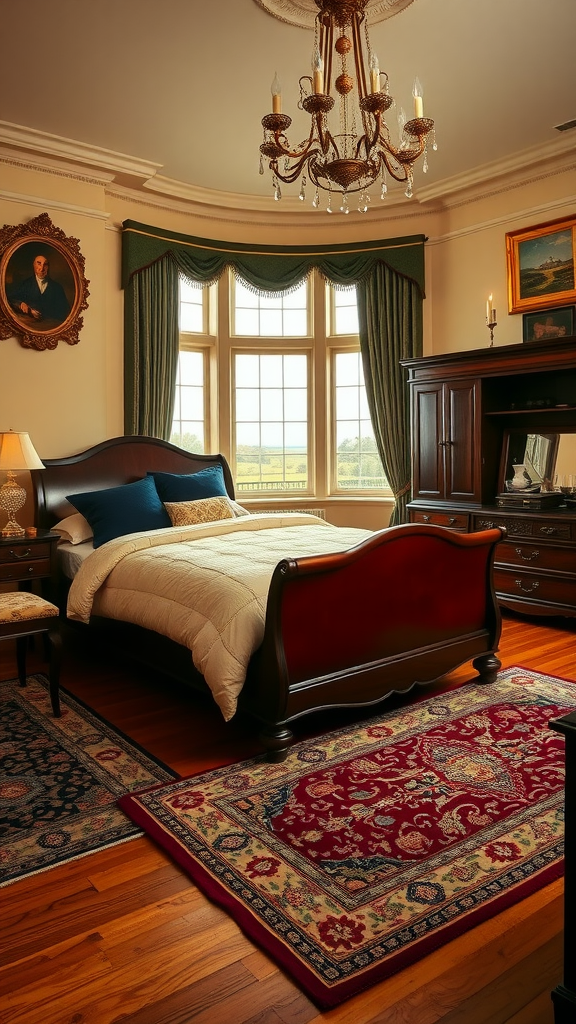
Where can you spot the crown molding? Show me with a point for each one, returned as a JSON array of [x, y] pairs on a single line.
[[43, 203], [140, 181], [545, 210], [524, 166], [118, 164]]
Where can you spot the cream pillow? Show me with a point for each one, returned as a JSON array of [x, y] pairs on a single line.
[[75, 529], [204, 510]]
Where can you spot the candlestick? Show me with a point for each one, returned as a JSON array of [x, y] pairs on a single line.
[[374, 73], [418, 99], [490, 319], [276, 90], [318, 73]]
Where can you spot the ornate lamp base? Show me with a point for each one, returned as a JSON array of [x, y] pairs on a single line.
[[12, 498]]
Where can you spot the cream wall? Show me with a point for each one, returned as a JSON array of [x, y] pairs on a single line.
[[72, 397]]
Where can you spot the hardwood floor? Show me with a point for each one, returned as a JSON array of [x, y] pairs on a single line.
[[123, 935]]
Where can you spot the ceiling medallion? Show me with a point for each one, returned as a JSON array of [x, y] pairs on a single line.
[[349, 145], [302, 13]]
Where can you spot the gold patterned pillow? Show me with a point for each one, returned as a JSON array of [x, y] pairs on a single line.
[[204, 510]]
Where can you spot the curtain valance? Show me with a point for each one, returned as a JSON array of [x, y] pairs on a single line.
[[269, 267]]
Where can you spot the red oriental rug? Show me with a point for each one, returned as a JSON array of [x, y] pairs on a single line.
[[373, 845]]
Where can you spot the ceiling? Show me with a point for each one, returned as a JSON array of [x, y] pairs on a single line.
[[183, 84]]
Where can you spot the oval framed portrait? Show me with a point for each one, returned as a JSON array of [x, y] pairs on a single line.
[[43, 289]]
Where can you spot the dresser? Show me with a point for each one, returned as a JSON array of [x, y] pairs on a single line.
[[474, 415]]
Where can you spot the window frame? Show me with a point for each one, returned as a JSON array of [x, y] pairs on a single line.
[[275, 349], [234, 337]]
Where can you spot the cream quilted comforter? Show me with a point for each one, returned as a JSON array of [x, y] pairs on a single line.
[[203, 586]]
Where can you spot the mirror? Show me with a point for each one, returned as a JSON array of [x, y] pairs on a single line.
[[539, 457]]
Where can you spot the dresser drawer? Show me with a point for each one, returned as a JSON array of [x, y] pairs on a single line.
[[23, 552], [525, 526], [453, 520], [536, 587], [532, 555], [27, 569]]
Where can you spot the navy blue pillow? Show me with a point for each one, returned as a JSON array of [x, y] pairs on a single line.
[[116, 511], [207, 483]]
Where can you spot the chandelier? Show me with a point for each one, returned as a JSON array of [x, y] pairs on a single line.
[[356, 151]]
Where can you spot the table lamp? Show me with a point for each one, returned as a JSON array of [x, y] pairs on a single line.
[[16, 452]]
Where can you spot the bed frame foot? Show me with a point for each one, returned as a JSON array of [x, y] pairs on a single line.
[[487, 666], [276, 741]]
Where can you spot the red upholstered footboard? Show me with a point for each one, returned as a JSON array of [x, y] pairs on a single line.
[[409, 604]]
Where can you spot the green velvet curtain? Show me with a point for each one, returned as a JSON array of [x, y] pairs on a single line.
[[390, 315], [389, 275], [151, 352]]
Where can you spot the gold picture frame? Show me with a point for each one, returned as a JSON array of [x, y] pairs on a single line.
[[43, 289], [540, 266]]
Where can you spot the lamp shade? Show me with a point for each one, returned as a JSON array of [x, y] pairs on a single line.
[[18, 452]]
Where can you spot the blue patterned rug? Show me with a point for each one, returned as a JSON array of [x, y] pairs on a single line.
[[60, 779]]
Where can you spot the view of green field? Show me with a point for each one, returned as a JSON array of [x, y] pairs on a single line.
[[358, 465]]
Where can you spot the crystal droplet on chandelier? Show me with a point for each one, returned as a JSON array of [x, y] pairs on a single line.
[[316, 200], [302, 195]]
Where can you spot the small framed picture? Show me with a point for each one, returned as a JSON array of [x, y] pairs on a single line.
[[540, 266], [548, 325]]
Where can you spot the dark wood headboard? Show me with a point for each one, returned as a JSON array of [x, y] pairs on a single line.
[[119, 460]]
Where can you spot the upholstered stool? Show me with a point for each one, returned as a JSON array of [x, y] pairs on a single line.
[[23, 615]]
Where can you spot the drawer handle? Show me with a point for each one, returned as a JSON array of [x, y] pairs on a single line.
[[548, 530], [452, 520], [25, 554], [425, 519], [529, 590], [528, 558]]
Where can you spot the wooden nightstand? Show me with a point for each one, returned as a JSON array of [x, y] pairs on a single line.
[[30, 558]]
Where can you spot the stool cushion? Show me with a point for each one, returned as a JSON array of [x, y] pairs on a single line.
[[19, 605]]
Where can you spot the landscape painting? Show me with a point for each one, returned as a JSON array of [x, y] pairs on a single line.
[[541, 266]]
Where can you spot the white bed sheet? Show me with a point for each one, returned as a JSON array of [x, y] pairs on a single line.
[[71, 556]]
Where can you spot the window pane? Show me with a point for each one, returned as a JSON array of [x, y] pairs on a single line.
[[192, 299], [296, 299], [294, 323], [270, 323], [345, 311], [247, 371], [188, 429], [272, 403], [245, 298], [247, 322], [271, 454], [346, 402], [347, 365], [358, 465], [273, 316], [247, 400]]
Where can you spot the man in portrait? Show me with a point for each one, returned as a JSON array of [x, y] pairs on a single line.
[[40, 297]]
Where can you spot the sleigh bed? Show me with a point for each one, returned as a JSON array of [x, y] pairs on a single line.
[[343, 628]]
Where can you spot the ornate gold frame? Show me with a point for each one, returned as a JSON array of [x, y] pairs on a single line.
[[543, 291], [18, 243]]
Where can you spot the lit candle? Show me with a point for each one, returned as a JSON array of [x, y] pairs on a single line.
[[374, 74], [418, 100], [318, 72], [276, 91], [490, 311]]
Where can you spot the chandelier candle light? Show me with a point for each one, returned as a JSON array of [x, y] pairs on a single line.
[[16, 452], [351, 157]]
